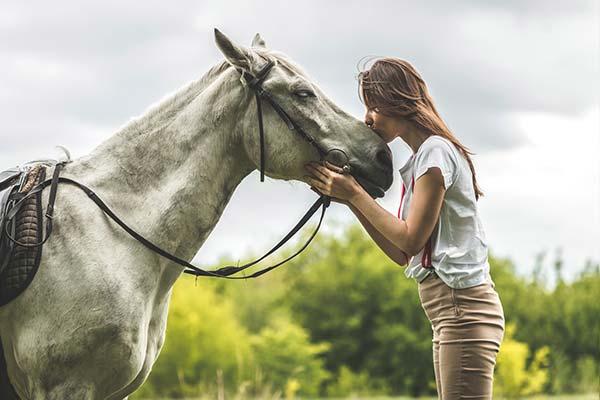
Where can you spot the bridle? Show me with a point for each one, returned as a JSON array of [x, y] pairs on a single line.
[[255, 83]]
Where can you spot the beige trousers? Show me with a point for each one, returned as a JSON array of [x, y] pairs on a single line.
[[468, 327]]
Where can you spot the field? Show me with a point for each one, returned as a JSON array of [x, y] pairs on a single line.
[[590, 396]]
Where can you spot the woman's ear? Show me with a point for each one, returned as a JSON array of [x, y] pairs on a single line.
[[238, 56]]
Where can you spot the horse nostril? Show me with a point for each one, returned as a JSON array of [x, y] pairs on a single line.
[[384, 157]]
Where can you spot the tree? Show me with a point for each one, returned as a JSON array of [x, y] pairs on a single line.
[[203, 338], [288, 360], [360, 302]]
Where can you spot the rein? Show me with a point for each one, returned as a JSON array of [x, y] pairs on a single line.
[[323, 201], [223, 272]]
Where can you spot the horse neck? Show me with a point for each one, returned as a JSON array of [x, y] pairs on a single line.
[[171, 173]]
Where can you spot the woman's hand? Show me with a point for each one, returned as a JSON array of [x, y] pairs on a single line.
[[329, 179], [333, 199]]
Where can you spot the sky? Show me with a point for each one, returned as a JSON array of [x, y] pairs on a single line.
[[516, 81]]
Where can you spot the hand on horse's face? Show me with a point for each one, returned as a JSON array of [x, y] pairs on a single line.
[[330, 180]]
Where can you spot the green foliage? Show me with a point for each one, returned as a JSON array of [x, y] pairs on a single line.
[[350, 384], [341, 319], [360, 302], [203, 338], [581, 376], [564, 319], [288, 360], [513, 377], [587, 375]]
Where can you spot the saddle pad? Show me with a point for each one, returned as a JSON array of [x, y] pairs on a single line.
[[24, 261]]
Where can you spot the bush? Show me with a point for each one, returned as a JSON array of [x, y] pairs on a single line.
[[288, 360], [350, 384], [204, 339], [513, 377]]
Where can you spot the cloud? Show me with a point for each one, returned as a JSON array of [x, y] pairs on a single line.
[[73, 78], [481, 61]]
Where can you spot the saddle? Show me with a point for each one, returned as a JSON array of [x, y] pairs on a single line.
[[21, 237], [21, 229]]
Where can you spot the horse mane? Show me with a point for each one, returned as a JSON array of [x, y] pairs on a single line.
[[160, 114], [164, 110]]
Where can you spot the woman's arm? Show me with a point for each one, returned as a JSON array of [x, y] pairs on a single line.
[[412, 234], [409, 236], [393, 252]]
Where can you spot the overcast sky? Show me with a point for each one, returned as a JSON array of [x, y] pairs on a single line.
[[516, 81]]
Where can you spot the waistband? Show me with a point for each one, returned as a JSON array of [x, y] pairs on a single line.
[[434, 276]]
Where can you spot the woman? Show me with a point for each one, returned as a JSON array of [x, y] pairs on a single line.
[[437, 231]]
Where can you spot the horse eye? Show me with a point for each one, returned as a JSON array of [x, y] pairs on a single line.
[[304, 93]]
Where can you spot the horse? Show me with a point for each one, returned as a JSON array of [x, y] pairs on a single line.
[[93, 320]]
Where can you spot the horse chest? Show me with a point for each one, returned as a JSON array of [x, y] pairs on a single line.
[[109, 328]]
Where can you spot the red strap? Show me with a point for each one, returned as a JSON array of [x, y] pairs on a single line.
[[426, 258], [403, 193], [401, 200]]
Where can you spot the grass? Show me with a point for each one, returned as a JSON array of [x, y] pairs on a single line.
[[590, 396]]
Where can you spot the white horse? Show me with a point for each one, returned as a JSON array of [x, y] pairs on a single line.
[[92, 322]]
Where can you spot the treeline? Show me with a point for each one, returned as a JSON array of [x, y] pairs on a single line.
[[342, 319]]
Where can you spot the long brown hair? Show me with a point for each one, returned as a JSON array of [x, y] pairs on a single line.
[[396, 89]]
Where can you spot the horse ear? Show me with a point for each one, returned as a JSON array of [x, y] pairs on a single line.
[[238, 56], [258, 41]]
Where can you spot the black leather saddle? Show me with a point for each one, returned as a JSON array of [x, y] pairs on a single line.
[[21, 229], [21, 239]]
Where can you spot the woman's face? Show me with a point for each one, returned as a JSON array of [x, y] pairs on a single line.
[[388, 128]]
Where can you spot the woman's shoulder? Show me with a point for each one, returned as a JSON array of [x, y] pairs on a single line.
[[437, 141], [431, 148], [436, 144], [440, 152]]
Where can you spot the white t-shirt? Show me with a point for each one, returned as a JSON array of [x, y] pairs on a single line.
[[459, 252]]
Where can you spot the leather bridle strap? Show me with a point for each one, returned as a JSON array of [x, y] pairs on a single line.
[[323, 201], [223, 272], [229, 270], [255, 83]]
